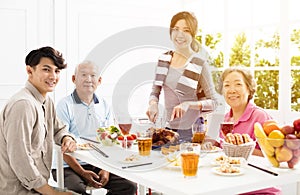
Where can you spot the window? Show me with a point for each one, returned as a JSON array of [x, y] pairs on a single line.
[[262, 35]]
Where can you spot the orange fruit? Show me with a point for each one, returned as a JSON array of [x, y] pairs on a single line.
[[269, 121], [270, 126]]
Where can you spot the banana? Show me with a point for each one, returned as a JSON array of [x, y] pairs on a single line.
[[259, 131], [266, 147], [261, 137], [273, 161]]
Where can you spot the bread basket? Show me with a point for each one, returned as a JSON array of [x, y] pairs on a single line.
[[242, 150]]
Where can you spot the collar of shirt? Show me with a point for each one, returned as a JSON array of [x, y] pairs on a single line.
[[78, 100], [35, 92], [246, 115]]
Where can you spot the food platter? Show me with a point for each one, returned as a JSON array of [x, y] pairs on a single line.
[[213, 150], [217, 171], [132, 159], [84, 146], [235, 161]]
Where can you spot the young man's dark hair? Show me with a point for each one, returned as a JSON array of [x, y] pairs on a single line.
[[34, 57]]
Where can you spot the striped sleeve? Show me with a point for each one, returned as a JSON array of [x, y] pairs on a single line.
[[161, 72], [209, 103]]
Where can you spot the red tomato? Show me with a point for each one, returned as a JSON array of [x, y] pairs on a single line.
[[129, 137], [134, 136], [120, 137]]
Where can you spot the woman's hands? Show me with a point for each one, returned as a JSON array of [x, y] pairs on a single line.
[[152, 111], [180, 109]]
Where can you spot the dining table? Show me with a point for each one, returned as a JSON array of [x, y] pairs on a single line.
[[166, 177]]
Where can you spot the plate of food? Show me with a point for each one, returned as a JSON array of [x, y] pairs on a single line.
[[208, 147], [212, 150], [176, 164], [132, 159], [171, 152], [223, 159], [84, 146], [228, 170]]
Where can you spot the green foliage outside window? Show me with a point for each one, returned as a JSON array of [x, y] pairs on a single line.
[[267, 80], [267, 89], [240, 51]]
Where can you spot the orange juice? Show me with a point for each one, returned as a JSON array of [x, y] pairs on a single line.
[[198, 137], [144, 145], [189, 164]]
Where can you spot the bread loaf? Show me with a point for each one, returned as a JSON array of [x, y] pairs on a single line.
[[230, 138], [237, 138], [246, 138]]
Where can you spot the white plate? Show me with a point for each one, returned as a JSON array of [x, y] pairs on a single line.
[[216, 149], [217, 171], [177, 164], [174, 165], [241, 159], [84, 146], [135, 158]]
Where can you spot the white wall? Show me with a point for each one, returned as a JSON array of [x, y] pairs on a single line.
[[74, 27], [22, 28]]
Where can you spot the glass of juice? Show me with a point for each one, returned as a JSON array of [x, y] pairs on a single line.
[[144, 140], [190, 154], [199, 132], [226, 127]]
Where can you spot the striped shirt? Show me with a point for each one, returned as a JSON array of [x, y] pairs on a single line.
[[193, 84]]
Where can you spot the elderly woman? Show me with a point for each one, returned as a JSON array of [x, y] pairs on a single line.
[[238, 86]]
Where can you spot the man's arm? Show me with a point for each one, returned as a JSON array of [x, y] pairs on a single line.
[[48, 190]]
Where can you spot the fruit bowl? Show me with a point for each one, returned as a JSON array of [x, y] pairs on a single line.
[[283, 153]]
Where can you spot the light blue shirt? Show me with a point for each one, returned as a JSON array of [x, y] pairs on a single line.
[[82, 119]]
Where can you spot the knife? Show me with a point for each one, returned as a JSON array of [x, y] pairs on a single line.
[[97, 149], [262, 169], [137, 165], [87, 139]]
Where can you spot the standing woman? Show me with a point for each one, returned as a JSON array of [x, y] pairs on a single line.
[[184, 77]]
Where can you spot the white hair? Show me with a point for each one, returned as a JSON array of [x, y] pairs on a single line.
[[88, 62]]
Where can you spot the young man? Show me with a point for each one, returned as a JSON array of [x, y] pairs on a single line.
[[83, 112], [28, 126]]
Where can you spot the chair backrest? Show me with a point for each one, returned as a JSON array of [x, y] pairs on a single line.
[[214, 120], [60, 166]]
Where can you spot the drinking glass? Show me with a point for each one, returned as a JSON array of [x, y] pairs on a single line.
[[226, 127], [190, 154], [144, 136], [199, 132]]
